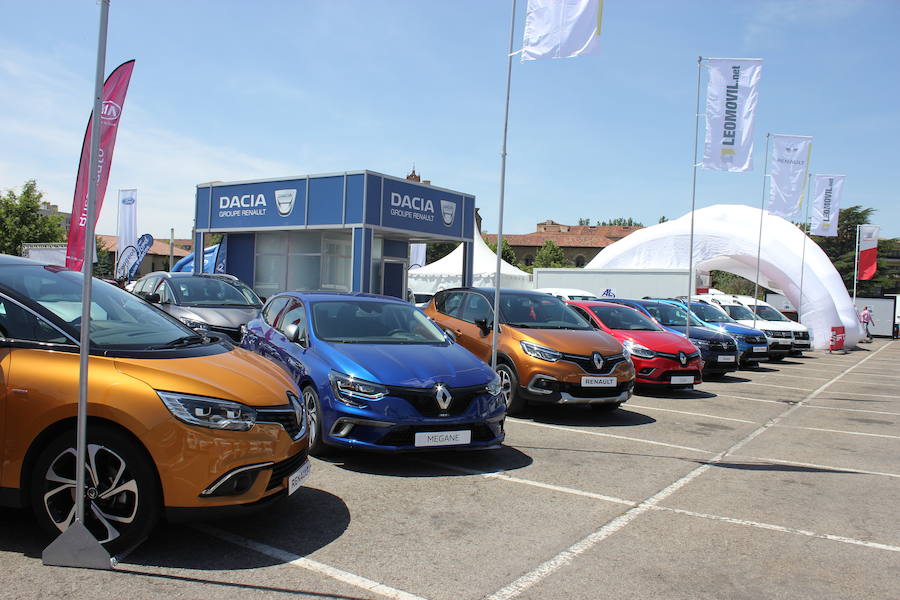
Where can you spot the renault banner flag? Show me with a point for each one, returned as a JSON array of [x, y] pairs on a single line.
[[868, 251], [826, 204], [730, 108], [127, 230], [562, 28], [788, 170]]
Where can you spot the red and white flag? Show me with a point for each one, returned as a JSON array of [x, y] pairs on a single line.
[[113, 100], [868, 251]]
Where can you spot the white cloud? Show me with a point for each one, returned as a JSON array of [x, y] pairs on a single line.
[[769, 20]]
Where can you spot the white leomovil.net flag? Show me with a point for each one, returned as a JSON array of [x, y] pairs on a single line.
[[562, 28], [730, 107], [788, 170], [127, 230], [826, 204]]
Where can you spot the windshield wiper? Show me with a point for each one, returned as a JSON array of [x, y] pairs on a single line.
[[522, 325], [187, 340]]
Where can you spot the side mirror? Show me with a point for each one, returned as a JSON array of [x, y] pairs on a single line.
[[294, 335], [484, 326], [154, 298]]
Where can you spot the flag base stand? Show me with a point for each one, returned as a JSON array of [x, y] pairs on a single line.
[[77, 547]]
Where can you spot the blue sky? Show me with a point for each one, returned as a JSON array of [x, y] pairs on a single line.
[[229, 90]]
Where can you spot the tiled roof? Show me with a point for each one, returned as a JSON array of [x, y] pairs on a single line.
[[578, 236], [159, 247]]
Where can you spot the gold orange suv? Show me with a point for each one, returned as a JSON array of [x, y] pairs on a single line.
[[546, 352], [179, 424]]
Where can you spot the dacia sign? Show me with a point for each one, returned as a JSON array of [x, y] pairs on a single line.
[[421, 208], [268, 204]]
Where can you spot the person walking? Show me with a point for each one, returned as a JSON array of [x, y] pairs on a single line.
[[865, 317]]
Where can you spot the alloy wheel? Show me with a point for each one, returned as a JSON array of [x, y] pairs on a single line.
[[505, 385], [309, 399]]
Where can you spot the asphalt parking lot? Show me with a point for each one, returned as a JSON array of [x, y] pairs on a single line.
[[780, 482]]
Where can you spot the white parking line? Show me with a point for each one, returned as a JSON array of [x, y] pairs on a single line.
[[795, 463], [862, 410], [609, 435], [792, 375], [866, 395], [861, 374], [769, 526], [547, 568], [684, 412], [309, 564], [881, 435], [784, 387], [751, 399]]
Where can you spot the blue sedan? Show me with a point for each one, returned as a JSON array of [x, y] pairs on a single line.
[[377, 374]]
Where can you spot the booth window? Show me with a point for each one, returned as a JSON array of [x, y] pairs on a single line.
[[302, 260], [377, 254]]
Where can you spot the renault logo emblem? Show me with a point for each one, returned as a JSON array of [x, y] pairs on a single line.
[[598, 361], [682, 358], [442, 395], [298, 410]]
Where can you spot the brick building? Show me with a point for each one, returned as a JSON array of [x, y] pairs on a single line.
[[580, 243]]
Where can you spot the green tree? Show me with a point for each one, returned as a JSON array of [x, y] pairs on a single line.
[[508, 254], [621, 221], [438, 250], [22, 223], [663, 219], [550, 255], [106, 259], [584, 221], [733, 284]]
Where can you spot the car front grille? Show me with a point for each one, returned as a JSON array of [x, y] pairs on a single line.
[[280, 415], [405, 435], [282, 469], [425, 401], [779, 334], [587, 362], [723, 346], [577, 391], [801, 335], [755, 339]]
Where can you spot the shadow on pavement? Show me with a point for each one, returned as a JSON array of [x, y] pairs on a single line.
[[583, 416], [725, 379], [651, 392], [773, 467], [434, 464]]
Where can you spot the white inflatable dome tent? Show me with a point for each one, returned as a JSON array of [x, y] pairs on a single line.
[[447, 272], [725, 239]]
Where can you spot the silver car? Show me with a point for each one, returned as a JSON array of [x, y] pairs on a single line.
[[218, 302]]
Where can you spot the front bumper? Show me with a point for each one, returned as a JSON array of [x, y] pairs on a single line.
[[748, 352], [542, 390], [780, 346], [719, 362], [660, 370]]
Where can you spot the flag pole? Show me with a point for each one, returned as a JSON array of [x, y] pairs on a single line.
[[509, 57], [804, 230], [855, 266], [77, 546], [762, 212], [687, 324]]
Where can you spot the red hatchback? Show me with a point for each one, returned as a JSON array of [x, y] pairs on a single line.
[[660, 357]]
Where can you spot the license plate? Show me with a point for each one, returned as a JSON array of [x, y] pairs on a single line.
[[726, 358], [442, 438], [682, 379], [298, 477], [760, 349], [598, 382]]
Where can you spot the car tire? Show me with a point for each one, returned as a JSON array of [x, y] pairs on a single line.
[[114, 461], [605, 408], [509, 389], [317, 446]]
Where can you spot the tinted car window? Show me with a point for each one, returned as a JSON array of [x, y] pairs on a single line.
[[475, 307], [624, 318], [270, 312], [769, 314], [450, 303], [207, 291], [671, 315], [372, 322], [539, 311], [165, 294], [710, 314], [19, 324], [295, 315], [736, 311]]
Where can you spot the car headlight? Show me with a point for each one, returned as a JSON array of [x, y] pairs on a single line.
[[541, 352], [493, 386], [638, 350], [353, 391], [209, 412], [194, 324]]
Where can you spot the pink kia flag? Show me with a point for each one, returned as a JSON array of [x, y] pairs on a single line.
[[113, 100], [868, 251]]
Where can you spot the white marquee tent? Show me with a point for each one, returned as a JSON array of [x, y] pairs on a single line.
[[725, 239], [447, 272]]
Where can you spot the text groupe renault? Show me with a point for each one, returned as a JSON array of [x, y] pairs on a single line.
[[411, 207]]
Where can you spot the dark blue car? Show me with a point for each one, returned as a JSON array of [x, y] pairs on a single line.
[[718, 350], [377, 374]]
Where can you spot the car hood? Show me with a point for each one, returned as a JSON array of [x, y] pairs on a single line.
[[236, 375], [770, 325], [730, 328], [408, 365], [658, 341], [218, 316], [570, 341], [700, 333]]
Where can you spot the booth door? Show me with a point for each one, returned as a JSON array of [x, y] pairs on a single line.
[[394, 283]]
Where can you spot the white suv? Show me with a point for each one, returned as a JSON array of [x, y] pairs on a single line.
[[779, 335]]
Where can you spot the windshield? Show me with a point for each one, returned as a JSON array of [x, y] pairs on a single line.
[[373, 322], [670, 315], [624, 318], [535, 311], [207, 291], [710, 314], [581, 297], [769, 314], [738, 312], [119, 320]]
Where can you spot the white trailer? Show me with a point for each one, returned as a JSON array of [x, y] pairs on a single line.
[[619, 283]]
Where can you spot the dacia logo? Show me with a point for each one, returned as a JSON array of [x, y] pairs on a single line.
[[284, 201], [448, 212], [443, 396]]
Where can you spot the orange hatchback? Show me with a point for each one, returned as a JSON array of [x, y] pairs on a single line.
[[546, 352], [179, 424]]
